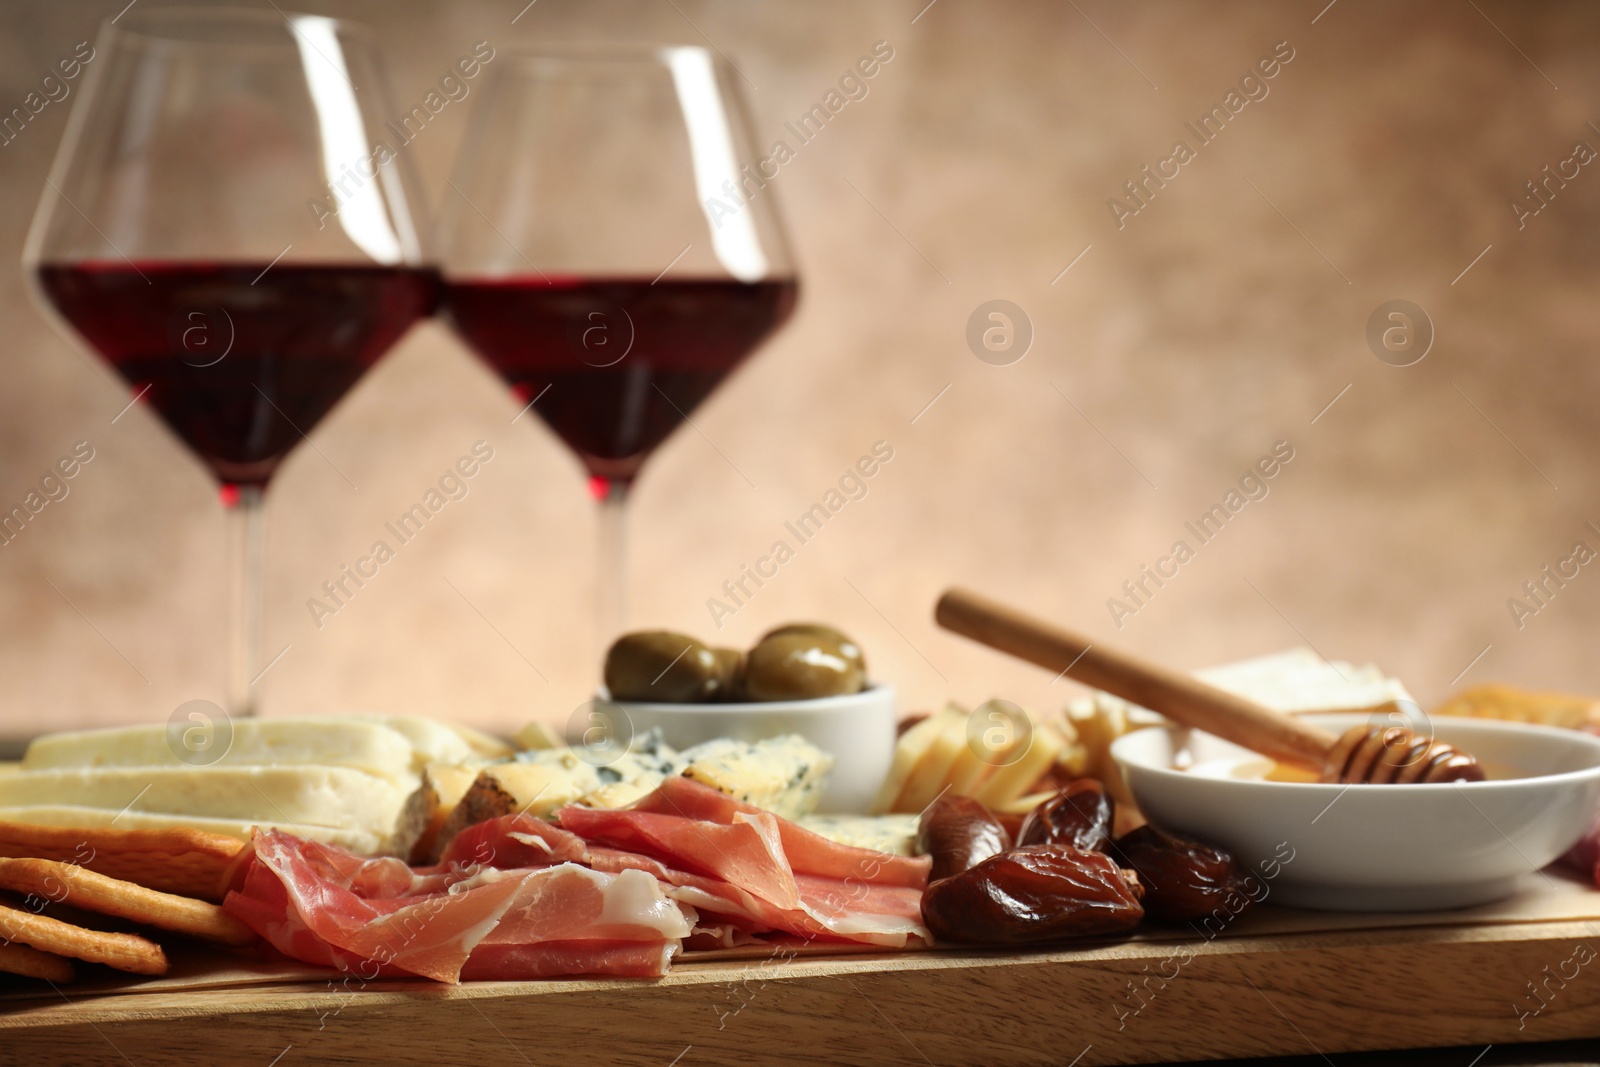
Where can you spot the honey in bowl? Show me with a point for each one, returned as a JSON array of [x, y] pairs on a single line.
[[1261, 769]]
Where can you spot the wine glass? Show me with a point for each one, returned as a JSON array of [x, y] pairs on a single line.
[[227, 226], [610, 245]]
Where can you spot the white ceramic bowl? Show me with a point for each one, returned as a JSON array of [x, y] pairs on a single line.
[[857, 730], [1383, 847]]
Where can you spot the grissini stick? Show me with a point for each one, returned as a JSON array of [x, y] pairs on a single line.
[[1372, 753]]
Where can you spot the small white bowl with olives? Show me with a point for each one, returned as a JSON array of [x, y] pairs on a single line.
[[803, 678]]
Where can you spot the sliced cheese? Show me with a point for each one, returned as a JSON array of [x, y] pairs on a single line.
[[484, 746], [909, 749], [969, 769], [358, 841], [367, 746], [1009, 782], [449, 783], [314, 795], [536, 735], [431, 741], [931, 775], [542, 786], [536, 787], [1299, 680]]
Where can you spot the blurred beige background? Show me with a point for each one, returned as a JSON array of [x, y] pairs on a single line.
[[1222, 318]]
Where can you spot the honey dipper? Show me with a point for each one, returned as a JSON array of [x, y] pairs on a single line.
[[1373, 753]]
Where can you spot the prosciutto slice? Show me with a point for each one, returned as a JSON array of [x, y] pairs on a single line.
[[748, 854], [319, 904], [807, 852], [604, 892], [756, 870], [511, 841]]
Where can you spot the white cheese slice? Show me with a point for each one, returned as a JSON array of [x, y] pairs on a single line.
[[368, 746], [1293, 681], [484, 746], [313, 795], [1299, 680], [432, 742]]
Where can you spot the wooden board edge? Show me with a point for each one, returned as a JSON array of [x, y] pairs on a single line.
[[1242, 996]]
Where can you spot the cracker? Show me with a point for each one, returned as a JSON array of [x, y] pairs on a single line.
[[64, 883], [31, 963], [125, 952], [188, 863]]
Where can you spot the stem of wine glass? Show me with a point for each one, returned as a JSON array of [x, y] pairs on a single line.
[[611, 581], [244, 536]]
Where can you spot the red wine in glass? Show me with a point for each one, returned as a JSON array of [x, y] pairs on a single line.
[[241, 360], [611, 247], [222, 227], [615, 364]]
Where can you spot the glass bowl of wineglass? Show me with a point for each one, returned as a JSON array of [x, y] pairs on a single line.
[[611, 246], [225, 226]]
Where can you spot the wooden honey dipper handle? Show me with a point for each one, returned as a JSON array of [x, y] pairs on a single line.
[[1178, 696]]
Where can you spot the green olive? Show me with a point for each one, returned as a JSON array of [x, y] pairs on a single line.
[[730, 674], [661, 666], [846, 644], [799, 666]]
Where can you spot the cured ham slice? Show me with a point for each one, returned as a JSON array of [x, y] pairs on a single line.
[[572, 903], [888, 916], [734, 861], [509, 841], [321, 905], [317, 912], [605, 892], [874, 914], [807, 852], [748, 853]]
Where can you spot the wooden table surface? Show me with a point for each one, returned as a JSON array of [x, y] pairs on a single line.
[[1245, 996]]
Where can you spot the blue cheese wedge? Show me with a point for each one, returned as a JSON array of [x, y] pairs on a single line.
[[542, 781], [895, 834], [620, 794], [784, 775]]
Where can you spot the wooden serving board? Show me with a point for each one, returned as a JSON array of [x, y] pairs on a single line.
[[1236, 996]]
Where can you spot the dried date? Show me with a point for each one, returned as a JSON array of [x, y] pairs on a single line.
[[1080, 814], [1184, 879], [958, 832], [1034, 894]]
